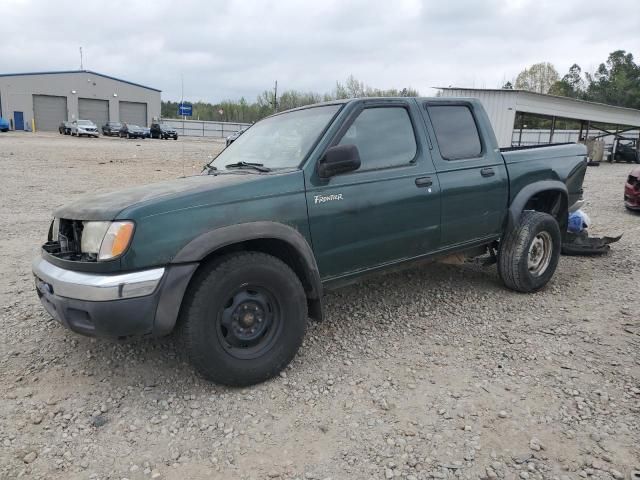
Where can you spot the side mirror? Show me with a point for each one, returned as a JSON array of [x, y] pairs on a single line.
[[339, 159]]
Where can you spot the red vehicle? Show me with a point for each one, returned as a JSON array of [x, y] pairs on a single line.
[[632, 190]]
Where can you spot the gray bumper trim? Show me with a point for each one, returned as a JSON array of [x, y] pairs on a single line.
[[94, 287]]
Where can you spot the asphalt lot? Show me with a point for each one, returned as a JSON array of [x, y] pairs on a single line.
[[435, 372]]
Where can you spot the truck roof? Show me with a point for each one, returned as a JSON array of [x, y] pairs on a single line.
[[349, 100]]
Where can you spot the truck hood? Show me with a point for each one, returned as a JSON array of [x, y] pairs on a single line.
[[107, 206]]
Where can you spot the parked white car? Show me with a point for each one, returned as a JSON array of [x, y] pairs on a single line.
[[84, 127]]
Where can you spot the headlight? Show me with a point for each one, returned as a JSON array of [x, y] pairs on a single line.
[[106, 239]]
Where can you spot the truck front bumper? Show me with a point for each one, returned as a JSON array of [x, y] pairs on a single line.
[[144, 302]]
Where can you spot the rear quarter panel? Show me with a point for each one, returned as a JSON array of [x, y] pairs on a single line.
[[563, 163]]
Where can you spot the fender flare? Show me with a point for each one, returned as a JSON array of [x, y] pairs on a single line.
[[213, 240], [517, 205]]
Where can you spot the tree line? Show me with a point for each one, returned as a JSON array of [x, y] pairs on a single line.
[[267, 103], [615, 82]]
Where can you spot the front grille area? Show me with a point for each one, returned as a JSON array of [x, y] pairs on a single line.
[[68, 244], [634, 182]]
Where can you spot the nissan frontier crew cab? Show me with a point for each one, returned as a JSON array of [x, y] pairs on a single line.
[[238, 258]]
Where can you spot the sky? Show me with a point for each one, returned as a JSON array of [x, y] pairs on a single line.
[[231, 49]]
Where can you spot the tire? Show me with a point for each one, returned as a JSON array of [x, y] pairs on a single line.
[[529, 253], [175, 138], [220, 293]]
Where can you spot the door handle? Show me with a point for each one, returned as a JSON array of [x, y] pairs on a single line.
[[487, 172], [424, 182]]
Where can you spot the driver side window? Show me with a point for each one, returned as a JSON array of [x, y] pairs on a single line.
[[384, 137]]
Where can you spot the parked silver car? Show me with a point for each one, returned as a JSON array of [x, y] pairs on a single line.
[[84, 127]]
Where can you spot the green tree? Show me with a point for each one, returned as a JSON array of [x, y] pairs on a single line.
[[537, 78], [571, 85], [243, 111], [616, 82]]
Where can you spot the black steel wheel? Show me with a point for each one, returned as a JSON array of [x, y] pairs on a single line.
[[529, 252], [249, 322], [243, 318]]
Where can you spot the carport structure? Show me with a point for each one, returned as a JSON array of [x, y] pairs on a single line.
[[512, 112]]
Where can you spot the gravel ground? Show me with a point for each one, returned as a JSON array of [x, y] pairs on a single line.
[[435, 372]]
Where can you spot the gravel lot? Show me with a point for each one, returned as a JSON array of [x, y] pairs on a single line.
[[435, 372]]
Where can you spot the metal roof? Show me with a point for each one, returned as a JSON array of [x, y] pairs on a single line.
[[61, 72], [515, 90]]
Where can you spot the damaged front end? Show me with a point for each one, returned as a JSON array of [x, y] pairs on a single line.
[[65, 241], [88, 241]]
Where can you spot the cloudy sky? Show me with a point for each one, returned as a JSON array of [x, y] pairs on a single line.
[[228, 49]]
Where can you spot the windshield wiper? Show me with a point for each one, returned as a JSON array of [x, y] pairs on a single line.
[[256, 166], [210, 169]]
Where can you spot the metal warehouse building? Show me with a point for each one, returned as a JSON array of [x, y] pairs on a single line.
[[508, 110], [45, 99]]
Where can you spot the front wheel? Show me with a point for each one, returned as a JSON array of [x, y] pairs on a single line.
[[244, 318], [529, 252]]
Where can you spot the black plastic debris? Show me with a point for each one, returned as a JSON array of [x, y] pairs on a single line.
[[582, 244]]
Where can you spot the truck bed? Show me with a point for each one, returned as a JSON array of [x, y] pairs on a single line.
[[566, 163]]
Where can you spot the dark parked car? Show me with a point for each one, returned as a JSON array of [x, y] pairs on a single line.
[[163, 131], [111, 129], [234, 136], [65, 128], [131, 131], [4, 125], [632, 190], [627, 151], [308, 200]]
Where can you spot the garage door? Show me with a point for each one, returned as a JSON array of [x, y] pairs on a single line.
[[95, 110], [49, 111], [133, 112]]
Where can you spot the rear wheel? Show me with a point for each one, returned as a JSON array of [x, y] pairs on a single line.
[[530, 252], [244, 319]]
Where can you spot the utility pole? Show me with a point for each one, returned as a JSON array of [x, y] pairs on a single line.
[[81, 65], [275, 97], [182, 99]]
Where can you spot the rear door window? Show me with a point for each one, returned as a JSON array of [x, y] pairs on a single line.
[[456, 131]]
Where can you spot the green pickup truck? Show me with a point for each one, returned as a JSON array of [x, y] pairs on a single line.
[[237, 259]]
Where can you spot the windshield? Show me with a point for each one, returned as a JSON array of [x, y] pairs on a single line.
[[281, 141], [85, 122], [133, 127]]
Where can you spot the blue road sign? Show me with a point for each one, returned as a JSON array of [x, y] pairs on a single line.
[[185, 109]]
